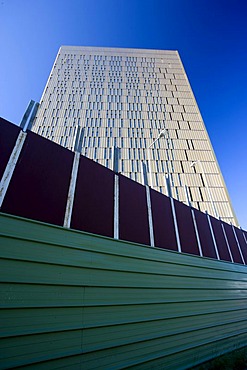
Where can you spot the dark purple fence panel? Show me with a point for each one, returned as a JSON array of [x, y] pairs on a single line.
[[186, 228], [163, 225], [245, 234], [94, 199], [8, 136], [242, 242], [133, 215], [39, 186], [232, 243], [206, 240], [220, 239]]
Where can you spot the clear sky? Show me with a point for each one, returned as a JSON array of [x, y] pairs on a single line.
[[210, 35]]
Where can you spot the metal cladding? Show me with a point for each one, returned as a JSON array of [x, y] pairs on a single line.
[[75, 300]]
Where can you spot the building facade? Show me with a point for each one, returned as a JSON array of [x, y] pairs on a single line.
[[141, 102]]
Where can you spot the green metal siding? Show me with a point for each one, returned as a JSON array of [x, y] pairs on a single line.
[[74, 300]]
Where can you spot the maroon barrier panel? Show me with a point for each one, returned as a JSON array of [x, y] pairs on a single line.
[[242, 242], [205, 236], [40, 183], [245, 234], [186, 228], [232, 243], [163, 224], [133, 214], [39, 189], [8, 135], [220, 239], [94, 199]]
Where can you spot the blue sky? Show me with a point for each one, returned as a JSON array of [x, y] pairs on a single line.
[[210, 35]]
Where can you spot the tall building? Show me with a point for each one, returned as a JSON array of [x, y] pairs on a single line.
[[128, 98]]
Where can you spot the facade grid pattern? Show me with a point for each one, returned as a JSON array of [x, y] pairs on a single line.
[[123, 98]]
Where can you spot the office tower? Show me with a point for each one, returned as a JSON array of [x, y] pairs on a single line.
[[128, 98]]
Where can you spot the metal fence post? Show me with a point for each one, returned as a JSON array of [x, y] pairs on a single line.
[[239, 248], [9, 170], [168, 187], [27, 120], [213, 237], [149, 205], [227, 243], [115, 168], [194, 220], [27, 114], [73, 178]]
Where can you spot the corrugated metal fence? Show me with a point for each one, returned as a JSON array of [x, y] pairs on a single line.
[[44, 181], [74, 300]]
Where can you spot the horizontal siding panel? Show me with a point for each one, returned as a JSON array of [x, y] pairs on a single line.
[[76, 300], [41, 320], [72, 342], [26, 271], [177, 360], [47, 296], [69, 256], [119, 330], [29, 349]]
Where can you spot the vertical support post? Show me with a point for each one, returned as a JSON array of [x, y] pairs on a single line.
[[13, 159], [115, 159], [228, 246], [243, 235], [149, 205], [26, 114], [26, 122], [29, 124], [149, 168], [116, 206], [213, 237], [73, 178], [9, 170], [150, 218], [71, 193], [194, 220], [144, 173], [168, 186], [187, 196], [239, 248], [115, 168], [78, 139]]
